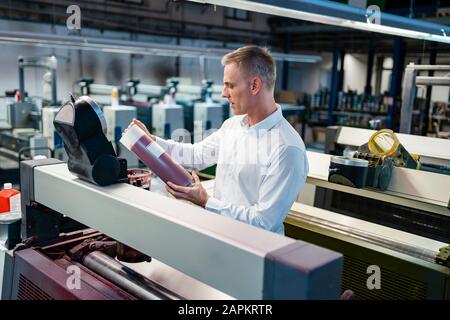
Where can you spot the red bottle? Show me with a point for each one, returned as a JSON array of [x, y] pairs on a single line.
[[17, 97], [9, 199], [151, 153]]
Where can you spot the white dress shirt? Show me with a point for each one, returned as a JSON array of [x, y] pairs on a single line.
[[260, 169]]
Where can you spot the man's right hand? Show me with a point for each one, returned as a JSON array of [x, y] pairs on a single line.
[[142, 126]]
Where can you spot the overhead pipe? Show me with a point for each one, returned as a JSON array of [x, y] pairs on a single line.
[[130, 47]]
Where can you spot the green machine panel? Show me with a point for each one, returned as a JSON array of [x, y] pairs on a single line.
[[402, 277]]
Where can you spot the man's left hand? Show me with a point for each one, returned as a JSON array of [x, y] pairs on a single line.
[[196, 194]]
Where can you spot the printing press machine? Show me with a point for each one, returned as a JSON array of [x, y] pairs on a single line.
[[214, 256], [416, 201], [405, 229], [199, 255], [21, 121], [85, 233]]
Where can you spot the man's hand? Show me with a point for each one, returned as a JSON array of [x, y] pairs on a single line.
[[142, 126], [196, 194]]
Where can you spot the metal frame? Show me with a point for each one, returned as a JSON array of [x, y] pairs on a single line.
[[410, 82], [396, 78], [337, 57]]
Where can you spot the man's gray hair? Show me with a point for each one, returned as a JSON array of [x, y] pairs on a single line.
[[254, 61]]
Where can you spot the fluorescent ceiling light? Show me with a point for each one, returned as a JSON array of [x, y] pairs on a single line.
[[332, 13], [130, 47], [395, 31]]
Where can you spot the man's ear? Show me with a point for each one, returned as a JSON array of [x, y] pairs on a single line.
[[256, 85]]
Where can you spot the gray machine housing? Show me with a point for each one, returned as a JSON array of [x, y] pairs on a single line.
[[270, 266]]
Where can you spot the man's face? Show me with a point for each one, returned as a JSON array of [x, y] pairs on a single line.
[[236, 88]]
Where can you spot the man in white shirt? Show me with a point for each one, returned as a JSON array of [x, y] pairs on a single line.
[[261, 160]]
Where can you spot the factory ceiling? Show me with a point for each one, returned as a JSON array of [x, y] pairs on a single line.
[[304, 35], [171, 18]]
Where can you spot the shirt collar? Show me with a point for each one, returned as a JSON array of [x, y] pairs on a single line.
[[264, 125]]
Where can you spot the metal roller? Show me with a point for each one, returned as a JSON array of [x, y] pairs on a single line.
[[127, 279], [421, 253]]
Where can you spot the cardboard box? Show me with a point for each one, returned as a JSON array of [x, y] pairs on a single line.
[[290, 97]]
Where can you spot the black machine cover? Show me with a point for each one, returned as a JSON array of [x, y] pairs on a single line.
[[82, 127]]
